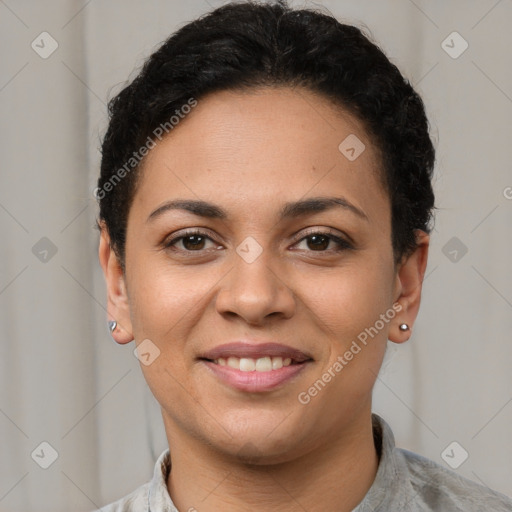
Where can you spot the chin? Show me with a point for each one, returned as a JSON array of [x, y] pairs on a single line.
[[254, 453], [262, 443]]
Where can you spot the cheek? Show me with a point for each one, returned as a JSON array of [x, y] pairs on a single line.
[[165, 306], [347, 300], [348, 306], [164, 298]]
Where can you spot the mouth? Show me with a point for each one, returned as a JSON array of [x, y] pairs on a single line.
[[249, 364], [255, 367], [261, 357]]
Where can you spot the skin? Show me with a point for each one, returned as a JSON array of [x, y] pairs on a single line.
[[250, 153]]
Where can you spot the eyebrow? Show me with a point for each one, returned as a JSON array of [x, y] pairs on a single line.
[[289, 210]]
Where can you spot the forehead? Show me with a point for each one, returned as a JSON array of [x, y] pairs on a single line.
[[260, 148]]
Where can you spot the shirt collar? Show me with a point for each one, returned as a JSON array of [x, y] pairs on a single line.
[[158, 497], [391, 488]]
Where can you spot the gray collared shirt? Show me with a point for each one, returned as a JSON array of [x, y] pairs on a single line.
[[404, 482]]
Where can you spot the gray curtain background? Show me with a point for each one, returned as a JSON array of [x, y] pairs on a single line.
[[66, 384]]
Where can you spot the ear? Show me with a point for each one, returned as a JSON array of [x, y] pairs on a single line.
[[408, 284], [118, 307]]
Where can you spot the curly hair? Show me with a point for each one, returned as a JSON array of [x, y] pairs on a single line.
[[243, 45]]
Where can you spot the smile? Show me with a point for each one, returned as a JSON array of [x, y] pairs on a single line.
[[254, 375], [247, 364]]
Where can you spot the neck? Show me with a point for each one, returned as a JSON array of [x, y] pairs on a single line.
[[335, 476]]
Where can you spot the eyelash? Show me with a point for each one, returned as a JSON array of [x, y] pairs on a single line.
[[342, 244]]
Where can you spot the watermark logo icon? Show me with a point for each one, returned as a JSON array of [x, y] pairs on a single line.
[[146, 352], [454, 455], [454, 45], [44, 45], [249, 250], [44, 250], [454, 249], [351, 147], [44, 455]]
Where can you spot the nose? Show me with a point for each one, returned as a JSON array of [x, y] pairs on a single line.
[[255, 291]]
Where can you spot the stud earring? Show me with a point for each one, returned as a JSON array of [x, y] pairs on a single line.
[[404, 327], [112, 324]]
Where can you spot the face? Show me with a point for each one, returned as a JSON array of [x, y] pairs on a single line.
[[280, 239]]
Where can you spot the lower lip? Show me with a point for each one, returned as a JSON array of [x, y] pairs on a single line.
[[255, 381]]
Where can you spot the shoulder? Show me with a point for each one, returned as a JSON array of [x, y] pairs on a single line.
[[136, 501], [439, 488]]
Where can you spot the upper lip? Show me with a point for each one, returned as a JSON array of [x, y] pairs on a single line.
[[242, 349]]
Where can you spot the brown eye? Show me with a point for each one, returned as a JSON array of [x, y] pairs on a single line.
[[318, 242], [191, 241]]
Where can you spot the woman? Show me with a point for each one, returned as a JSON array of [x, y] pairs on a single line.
[[265, 206]]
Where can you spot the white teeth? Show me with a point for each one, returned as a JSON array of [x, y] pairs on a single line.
[[263, 364], [277, 362], [246, 364], [234, 362]]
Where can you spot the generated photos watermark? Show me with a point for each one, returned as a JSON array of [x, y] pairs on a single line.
[[133, 161], [355, 348]]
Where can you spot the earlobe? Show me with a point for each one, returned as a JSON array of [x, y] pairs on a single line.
[[409, 281], [118, 333], [118, 308]]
